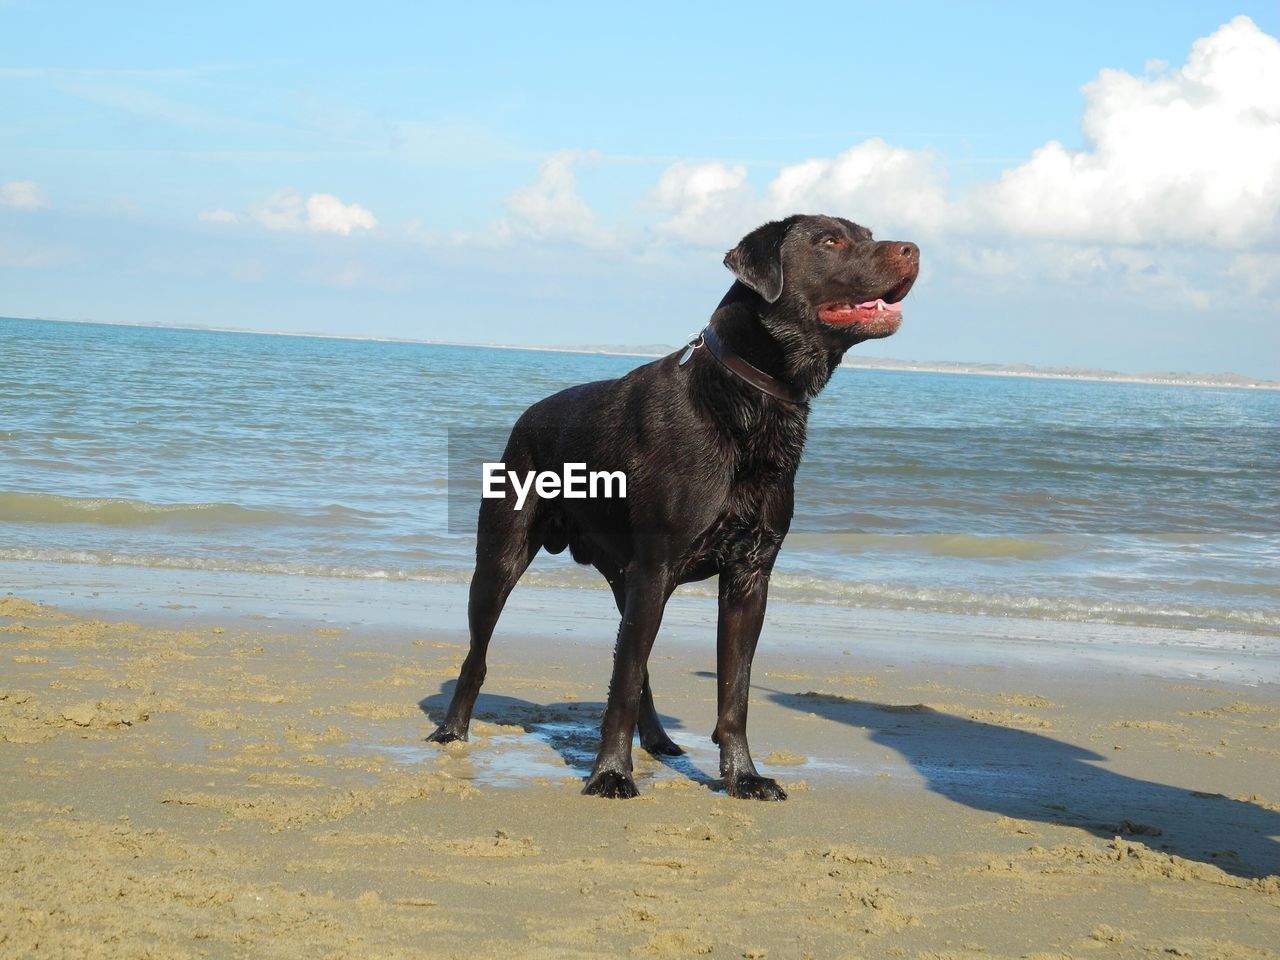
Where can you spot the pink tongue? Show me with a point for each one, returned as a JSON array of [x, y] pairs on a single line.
[[878, 304]]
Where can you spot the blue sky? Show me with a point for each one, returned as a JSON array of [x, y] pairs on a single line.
[[1092, 184]]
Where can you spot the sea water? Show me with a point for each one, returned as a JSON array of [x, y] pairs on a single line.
[[286, 456]]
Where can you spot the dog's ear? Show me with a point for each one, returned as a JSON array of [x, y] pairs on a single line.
[[757, 260]]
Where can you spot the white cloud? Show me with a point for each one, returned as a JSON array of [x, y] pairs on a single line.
[[1186, 156], [22, 194], [892, 189], [708, 201], [1094, 273], [287, 210], [327, 214], [282, 210], [550, 207]]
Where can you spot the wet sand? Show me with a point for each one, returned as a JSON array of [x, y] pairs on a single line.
[[205, 781]]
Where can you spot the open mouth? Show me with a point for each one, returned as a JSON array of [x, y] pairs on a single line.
[[879, 316], [844, 314]]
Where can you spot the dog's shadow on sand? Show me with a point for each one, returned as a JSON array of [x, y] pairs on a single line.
[[1016, 773], [570, 728], [1029, 776]]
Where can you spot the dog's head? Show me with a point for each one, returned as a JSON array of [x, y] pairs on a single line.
[[828, 272]]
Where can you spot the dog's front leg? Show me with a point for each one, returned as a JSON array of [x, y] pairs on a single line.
[[646, 597], [743, 595]]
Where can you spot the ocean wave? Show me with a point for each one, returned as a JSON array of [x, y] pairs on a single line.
[[792, 588], [115, 512], [822, 590], [942, 544], [222, 565]]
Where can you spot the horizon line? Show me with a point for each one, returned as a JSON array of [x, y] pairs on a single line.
[[956, 367]]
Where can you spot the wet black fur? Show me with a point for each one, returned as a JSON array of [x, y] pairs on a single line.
[[710, 463]]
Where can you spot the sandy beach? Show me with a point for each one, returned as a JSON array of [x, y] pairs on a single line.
[[208, 778]]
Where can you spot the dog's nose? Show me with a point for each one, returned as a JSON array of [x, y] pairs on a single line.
[[909, 251]]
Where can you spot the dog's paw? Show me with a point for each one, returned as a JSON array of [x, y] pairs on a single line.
[[746, 786], [445, 734], [661, 746], [611, 784]]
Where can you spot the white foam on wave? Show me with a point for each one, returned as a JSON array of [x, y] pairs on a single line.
[[792, 588]]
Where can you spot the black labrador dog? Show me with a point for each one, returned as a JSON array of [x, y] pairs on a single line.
[[709, 439]]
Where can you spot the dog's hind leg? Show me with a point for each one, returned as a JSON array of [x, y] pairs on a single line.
[[504, 548], [646, 595], [653, 737]]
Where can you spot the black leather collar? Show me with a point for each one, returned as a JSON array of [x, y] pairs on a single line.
[[743, 370]]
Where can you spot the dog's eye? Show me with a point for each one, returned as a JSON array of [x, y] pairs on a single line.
[[830, 242]]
